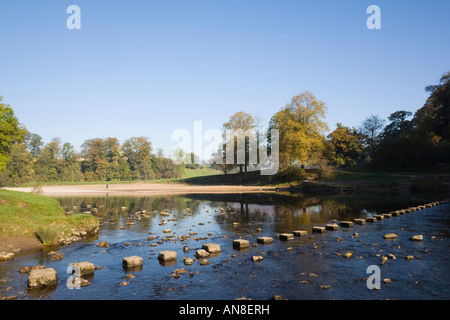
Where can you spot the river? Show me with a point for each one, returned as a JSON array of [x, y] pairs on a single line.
[[308, 267]]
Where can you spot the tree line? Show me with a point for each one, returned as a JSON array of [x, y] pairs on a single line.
[[28, 159], [403, 141]]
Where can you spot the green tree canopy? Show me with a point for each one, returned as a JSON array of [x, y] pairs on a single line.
[[301, 128], [11, 132], [344, 145]]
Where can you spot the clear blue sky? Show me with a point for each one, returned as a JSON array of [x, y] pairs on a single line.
[[146, 68]]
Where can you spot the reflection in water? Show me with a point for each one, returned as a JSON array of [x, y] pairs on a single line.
[[134, 226]]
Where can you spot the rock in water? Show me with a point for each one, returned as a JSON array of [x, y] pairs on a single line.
[[417, 237], [211, 247], [41, 278]]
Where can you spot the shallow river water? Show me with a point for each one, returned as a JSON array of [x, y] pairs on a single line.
[[309, 267]]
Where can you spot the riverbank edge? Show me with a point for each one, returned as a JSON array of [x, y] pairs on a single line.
[[22, 240]]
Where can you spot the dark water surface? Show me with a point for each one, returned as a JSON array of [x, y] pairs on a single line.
[[310, 267]]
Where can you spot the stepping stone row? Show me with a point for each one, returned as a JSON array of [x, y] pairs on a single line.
[[396, 213]]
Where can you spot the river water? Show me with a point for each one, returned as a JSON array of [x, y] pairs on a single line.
[[309, 267]]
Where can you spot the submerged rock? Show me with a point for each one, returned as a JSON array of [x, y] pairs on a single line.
[[417, 237], [390, 236]]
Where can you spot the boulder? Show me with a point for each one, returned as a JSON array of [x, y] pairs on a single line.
[[257, 258], [211, 247], [264, 240], [167, 255], [188, 261], [42, 278], [201, 254], [390, 236], [132, 262]]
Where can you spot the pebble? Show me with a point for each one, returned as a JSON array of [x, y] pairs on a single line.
[[417, 237]]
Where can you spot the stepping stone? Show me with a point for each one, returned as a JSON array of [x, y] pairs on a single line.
[[287, 236], [85, 267], [167, 255], [371, 219], [132, 262], [332, 227], [264, 240], [300, 233], [318, 229], [346, 224], [241, 243], [387, 215], [379, 217], [360, 221]]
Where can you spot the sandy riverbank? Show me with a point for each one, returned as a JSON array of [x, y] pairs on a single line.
[[140, 188]]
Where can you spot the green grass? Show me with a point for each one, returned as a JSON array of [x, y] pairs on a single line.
[[28, 214], [205, 171]]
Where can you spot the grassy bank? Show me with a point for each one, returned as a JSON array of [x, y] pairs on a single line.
[[31, 215]]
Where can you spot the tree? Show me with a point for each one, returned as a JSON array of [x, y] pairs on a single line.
[[371, 128], [138, 153], [433, 119], [301, 129], [344, 145], [34, 144], [20, 166], [11, 132], [241, 124], [398, 126]]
